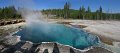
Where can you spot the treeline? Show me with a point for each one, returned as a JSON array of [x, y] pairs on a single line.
[[9, 13], [82, 13]]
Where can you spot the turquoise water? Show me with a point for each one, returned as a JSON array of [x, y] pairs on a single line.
[[75, 37]]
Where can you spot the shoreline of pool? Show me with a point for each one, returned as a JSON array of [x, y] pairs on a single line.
[[74, 22]]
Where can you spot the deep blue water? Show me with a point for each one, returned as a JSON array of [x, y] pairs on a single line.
[[75, 37]]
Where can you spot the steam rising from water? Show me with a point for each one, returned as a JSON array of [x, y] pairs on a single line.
[[39, 30], [34, 17], [31, 16], [25, 8]]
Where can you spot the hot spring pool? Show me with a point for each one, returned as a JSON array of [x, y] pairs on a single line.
[[62, 34]]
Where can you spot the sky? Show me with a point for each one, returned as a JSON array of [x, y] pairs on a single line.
[[107, 5]]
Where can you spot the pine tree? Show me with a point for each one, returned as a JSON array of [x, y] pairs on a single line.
[[88, 13], [67, 10], [83, 12], [80, 13], [100, 12], [97, 15], [88, 9]]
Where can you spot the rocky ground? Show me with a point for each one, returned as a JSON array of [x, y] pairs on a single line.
[[10, 21], [12, 44], [9, 29]]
